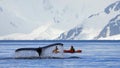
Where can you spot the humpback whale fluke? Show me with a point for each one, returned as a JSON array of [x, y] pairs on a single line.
[[45, 51], [38, 50]]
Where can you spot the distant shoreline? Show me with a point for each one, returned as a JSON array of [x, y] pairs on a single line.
[[59, 40]]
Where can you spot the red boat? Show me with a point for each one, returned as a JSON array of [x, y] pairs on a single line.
[[71, 51]]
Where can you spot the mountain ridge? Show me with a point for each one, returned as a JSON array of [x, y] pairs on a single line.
[[91, 32]]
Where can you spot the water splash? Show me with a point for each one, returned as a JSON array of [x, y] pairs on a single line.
[[26, 54]]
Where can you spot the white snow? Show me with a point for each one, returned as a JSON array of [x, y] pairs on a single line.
[[93, 26], [10, 23], [41, 33], [115, 37], [28, 19], [108, 31]]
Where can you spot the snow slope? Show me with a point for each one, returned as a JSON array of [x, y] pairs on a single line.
[[10, 22], [44, 32], [71, 34], [115, 37], [14, 27], [21, 20], [94, 24], [113, 26]]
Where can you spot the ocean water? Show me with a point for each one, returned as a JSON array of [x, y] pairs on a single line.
[[95, 54]]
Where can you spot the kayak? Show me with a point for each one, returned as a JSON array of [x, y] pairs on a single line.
[[69, 51]]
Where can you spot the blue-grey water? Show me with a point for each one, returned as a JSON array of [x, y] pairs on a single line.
[[95, 55]]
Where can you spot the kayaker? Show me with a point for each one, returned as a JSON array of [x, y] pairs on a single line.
[[72, 49], [56, 50]]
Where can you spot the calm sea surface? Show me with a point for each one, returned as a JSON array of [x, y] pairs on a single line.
[[96, 54]]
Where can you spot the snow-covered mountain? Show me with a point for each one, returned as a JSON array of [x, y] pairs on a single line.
[[41, 33], [70, 35], [14, 28], [27, 20], [92, 27], [10, 22], [113, 26]]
